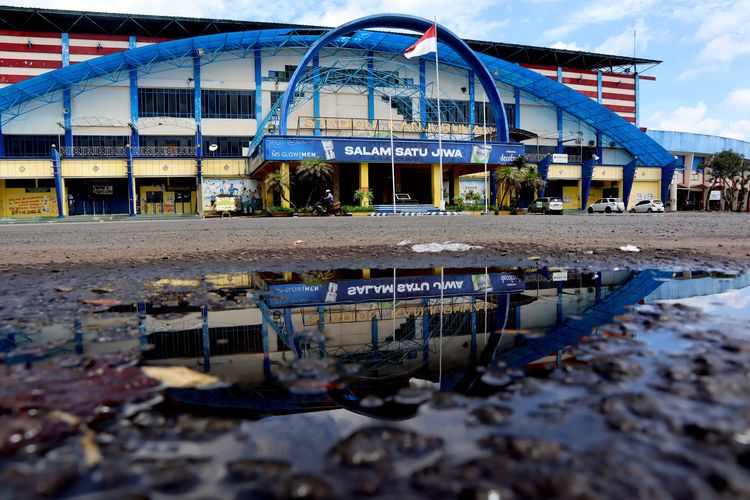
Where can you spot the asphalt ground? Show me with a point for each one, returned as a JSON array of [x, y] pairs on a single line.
[[677, 240]]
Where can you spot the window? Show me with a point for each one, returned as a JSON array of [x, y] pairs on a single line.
[[166, 141], [177, 103], [404, 106], [698, 162], [237, 104], [459, 112], [30, 146], [101, 140], [227, 146]]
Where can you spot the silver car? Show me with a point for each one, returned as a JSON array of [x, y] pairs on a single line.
[[648, 206], [607, 205], [547, 205]]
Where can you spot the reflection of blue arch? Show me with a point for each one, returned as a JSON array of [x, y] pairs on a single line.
[[16, 99], [414, 23]]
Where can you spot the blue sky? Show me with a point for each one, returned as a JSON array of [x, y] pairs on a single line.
[[702, 86]]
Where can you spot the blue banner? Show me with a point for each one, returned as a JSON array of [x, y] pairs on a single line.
[[355, 150], [407, 287]]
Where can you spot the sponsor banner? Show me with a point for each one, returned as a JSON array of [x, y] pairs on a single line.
[[247, 191], [379, 150], [33, 205], [406, 287], [559, 158]]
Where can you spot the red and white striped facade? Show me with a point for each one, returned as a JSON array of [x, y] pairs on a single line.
[[618, 89], [27, 54]]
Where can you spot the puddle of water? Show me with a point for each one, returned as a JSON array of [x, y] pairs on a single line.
[[313, 376]]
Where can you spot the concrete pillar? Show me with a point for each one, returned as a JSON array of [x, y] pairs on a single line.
[[336, 180], [437, 184], [456, 184], [364, 180], [285, 172]]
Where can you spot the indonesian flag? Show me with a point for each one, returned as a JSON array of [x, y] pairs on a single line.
[[425, 45]]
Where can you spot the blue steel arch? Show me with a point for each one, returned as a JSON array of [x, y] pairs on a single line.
[[114, 67], [414, 23]]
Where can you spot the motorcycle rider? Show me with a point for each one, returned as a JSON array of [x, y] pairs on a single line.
[[327, 199]]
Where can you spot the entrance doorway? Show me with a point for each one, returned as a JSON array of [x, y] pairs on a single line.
[[97, 196]]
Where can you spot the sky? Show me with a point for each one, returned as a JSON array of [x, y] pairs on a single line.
[[702, 85]]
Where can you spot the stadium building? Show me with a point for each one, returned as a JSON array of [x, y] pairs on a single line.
[[124, 114]]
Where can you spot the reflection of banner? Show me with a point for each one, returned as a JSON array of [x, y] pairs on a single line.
[[379, 150], [382, 289], [353, 314]]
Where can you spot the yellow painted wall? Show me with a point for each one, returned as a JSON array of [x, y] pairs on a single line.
[[644, 188], [564, 172], [24, 169], [572, 192], [284, 169], [99, 168], [364, 181], [648, 174], [224, 167], [607, 173], [16, 202], [594, 194], [169, 206], [165, 167]]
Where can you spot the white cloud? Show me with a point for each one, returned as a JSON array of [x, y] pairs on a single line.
[[599, 12], [568, 46], [738, 102], [696, 119], [623, 42], [725, 30]]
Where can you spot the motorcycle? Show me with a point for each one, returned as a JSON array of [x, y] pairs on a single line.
[[321, 209]]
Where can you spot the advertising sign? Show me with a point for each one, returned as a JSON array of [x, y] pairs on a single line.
[[383, 289], [102, 189], [714, 196], [559, 158], [20, 206], [225, 204], [379, 150], [560, 276], [246, 190]]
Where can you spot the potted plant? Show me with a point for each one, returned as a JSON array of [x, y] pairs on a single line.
[[364, 196]]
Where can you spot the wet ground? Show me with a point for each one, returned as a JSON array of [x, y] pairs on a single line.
[[520, 380]]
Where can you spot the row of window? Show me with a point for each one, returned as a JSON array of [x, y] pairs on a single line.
[[459, 112], [40, 146], [180, 103]]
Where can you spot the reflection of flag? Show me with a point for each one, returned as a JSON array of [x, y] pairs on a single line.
[[425, 45]]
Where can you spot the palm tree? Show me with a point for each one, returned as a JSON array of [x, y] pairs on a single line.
[[277, 182], [532, 179], [508, 179], [316, 172]]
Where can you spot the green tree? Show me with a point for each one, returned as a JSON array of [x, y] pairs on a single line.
[[277, 182], [725, 168], [316, 174], [513, 178], [532, 179], [364, 196]]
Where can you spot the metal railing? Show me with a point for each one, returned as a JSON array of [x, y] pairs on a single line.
[[121, 151]]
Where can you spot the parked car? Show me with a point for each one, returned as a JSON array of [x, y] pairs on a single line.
[[547, 205], [648, 206], [607, 205]]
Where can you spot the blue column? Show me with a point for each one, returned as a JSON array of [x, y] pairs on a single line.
[[370, 87], [559, 116], [206, 341], [142, 330], [598, 292], [472, 107], [423, 96], [425, 327], [316, 93], [67, 101], [474, 327], [517, 98], [321, 318], [78, 336], [266, 349], [131, 181], [599, 87], [374, 334], [667, 174], [57, 170], [599, 148], [543, 169], [2, 139], [493, 187], [628, 176], [587, 172], [197, 104], [637, 100], [133, 102], [559, 302], [258, 88]]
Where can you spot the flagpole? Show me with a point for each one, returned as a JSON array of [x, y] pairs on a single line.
[[486, 156], [393, 161], [440, 126]]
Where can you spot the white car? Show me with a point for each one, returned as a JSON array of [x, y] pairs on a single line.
[[607, 205], [648, 206]]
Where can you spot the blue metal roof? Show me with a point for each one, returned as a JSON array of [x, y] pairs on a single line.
[[685, 142], [16, 99]]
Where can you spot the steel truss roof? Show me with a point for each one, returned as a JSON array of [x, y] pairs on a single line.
[[47, 88]]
